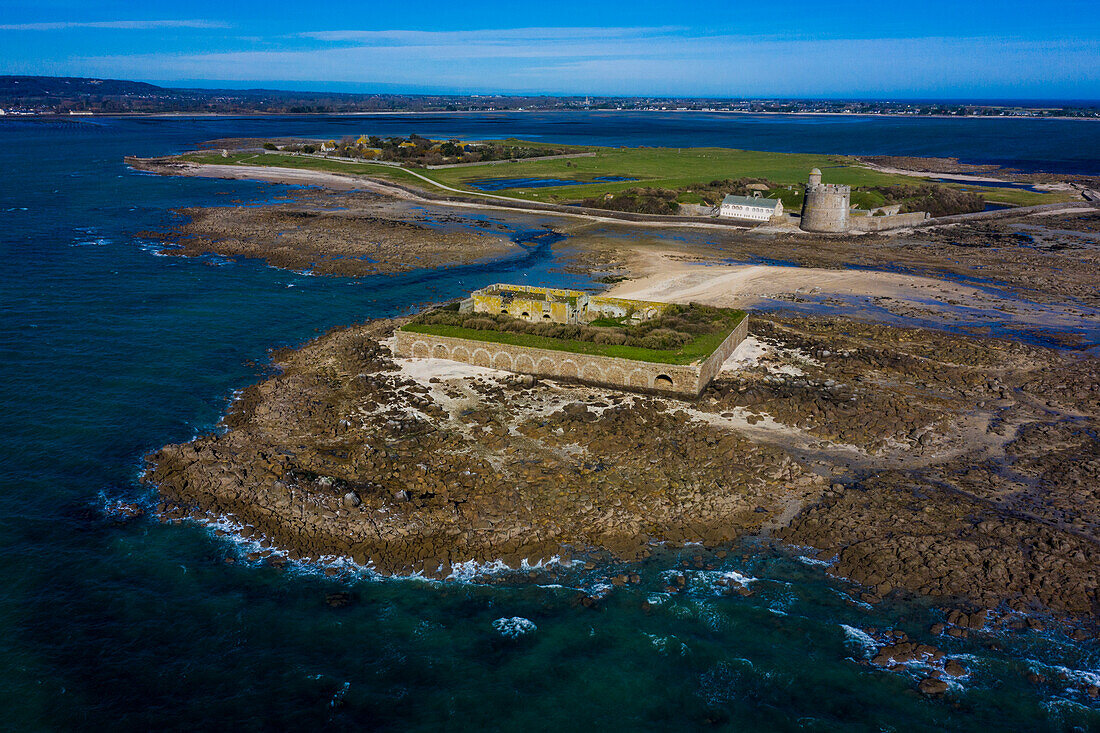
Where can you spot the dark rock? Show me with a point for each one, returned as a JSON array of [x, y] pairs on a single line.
[[932, 687], [955, 669]]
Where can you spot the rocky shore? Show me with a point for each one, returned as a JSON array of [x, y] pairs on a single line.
[[964, 469], [337, 233]]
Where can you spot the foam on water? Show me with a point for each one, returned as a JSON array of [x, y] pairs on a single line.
[[859, 639], [514, 627], [668, 645]]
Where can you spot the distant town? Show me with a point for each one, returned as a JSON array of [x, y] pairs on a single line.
[[43, 95]]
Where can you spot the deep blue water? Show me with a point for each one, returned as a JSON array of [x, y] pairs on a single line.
[[109, 351]]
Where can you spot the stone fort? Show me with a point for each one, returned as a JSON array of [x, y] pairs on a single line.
[[569, 306], [827, 209]]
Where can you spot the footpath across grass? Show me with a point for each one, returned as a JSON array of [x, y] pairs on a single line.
[[691, 352]]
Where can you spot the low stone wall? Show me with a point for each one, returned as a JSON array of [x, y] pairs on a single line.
[[1067, 207], [884, 223], [673, 379]]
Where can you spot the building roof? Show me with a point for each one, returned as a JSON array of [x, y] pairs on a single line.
[[754, 201]]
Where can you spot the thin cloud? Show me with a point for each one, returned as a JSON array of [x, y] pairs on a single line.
[[675, 63], [497, 35], [113, 24]]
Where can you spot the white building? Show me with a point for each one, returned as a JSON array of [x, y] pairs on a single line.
[[751, 208]]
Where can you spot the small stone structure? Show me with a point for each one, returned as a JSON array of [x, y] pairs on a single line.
[[680, 380]]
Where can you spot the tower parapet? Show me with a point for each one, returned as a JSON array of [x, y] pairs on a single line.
[[825, 208]]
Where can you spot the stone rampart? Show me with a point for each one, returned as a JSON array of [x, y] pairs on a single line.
[[885, 223], [1068, 207], [709, 368], [685, 381]]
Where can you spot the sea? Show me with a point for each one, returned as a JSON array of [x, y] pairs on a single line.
[[109, 350]]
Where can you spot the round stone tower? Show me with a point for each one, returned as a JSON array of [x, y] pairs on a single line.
[[825, 208]]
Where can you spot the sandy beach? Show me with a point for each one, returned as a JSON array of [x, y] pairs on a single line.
[[665, 276]]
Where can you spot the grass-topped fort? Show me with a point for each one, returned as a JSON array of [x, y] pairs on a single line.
[[568, 334]]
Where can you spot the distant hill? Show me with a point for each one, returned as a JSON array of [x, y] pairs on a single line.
[[45, 94], [61, 95], [23, 87]]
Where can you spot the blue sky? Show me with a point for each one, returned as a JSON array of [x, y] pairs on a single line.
[[960, 49]]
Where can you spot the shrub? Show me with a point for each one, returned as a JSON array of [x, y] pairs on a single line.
[[664, 338], [481, 324], [678, 325], [609, 337]]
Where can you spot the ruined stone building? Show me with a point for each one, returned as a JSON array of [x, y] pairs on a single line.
[[557, 305]]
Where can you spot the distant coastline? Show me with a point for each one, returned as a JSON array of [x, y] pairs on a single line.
[[399, 113]]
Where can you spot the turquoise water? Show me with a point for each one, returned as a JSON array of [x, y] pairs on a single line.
[[110, 351]]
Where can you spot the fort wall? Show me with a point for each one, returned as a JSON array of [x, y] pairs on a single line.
[[685, 381], [884, 223], [708, 370]]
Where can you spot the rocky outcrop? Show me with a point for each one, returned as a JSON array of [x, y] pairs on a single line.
[[959, 468]]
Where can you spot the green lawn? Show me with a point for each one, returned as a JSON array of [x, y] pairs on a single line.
[[652, 167], [697, 350]]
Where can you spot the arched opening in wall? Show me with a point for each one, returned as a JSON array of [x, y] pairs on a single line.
[[526, 314], [663, 381], [440, 351], [504, 311], [546, 316]]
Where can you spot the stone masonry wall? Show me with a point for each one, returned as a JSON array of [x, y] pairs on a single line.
[[883, 223], [674, 379], [709, 368]]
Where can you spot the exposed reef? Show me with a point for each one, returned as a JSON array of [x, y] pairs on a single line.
[[349, 233], [961, 468]]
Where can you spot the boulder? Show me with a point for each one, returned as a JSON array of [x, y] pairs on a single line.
[[955, 669], [932, 687]]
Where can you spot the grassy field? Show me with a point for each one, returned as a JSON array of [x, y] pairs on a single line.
[[652, 167], [696, 350], [276, 160]]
